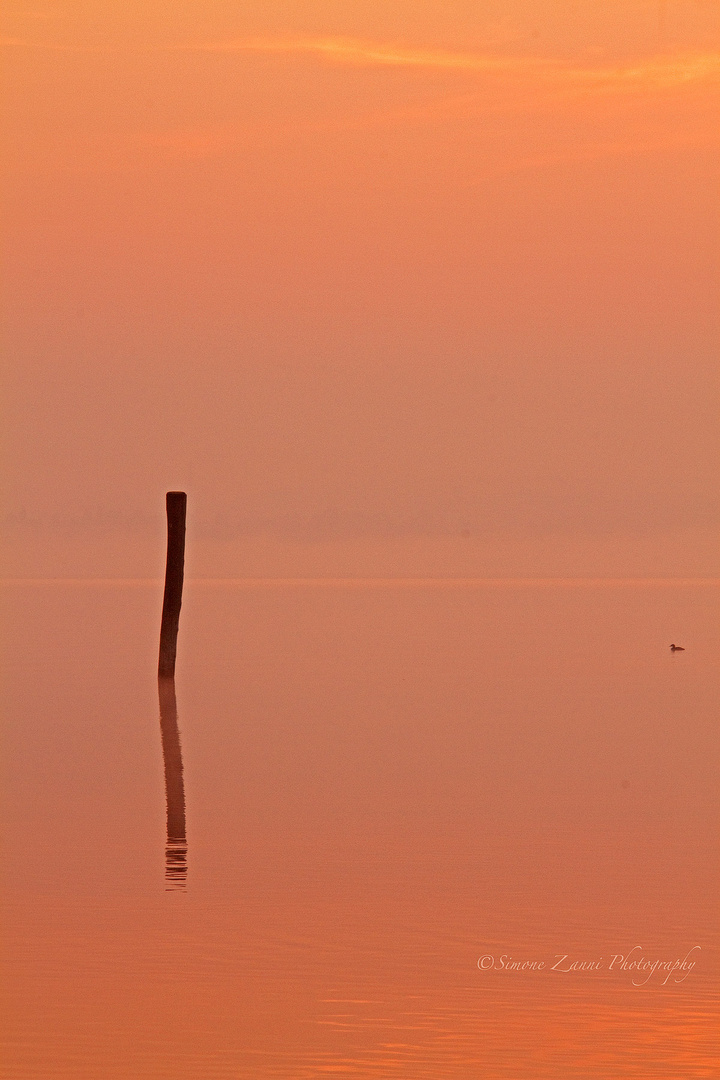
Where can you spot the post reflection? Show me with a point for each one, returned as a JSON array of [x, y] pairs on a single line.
[[176, 846]]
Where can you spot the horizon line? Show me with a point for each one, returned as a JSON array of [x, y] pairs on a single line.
[[365, 580]]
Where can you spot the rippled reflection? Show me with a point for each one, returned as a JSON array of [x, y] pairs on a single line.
[[176, 847]]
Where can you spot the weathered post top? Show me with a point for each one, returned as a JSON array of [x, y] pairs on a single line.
[[176, 505]]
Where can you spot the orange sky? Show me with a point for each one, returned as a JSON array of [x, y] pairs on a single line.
[[372, 280]]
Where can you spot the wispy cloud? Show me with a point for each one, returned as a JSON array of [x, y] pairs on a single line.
[[357, 51], [658, 72], [538, 88], [663, 71]]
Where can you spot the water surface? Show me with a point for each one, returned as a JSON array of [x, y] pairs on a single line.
[[291, 863]]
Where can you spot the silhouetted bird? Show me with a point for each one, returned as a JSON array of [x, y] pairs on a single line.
[[677, 648]]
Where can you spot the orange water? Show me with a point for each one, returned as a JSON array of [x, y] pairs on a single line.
[[383, 783]]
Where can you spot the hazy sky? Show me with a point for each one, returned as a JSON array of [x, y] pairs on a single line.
[[361, 274]]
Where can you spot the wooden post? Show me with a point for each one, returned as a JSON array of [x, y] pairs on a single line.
[[176, 504]]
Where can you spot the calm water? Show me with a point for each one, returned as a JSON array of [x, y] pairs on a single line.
[[368, 788]]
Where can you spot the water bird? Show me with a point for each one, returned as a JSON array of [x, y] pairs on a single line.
[[677, 648]]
